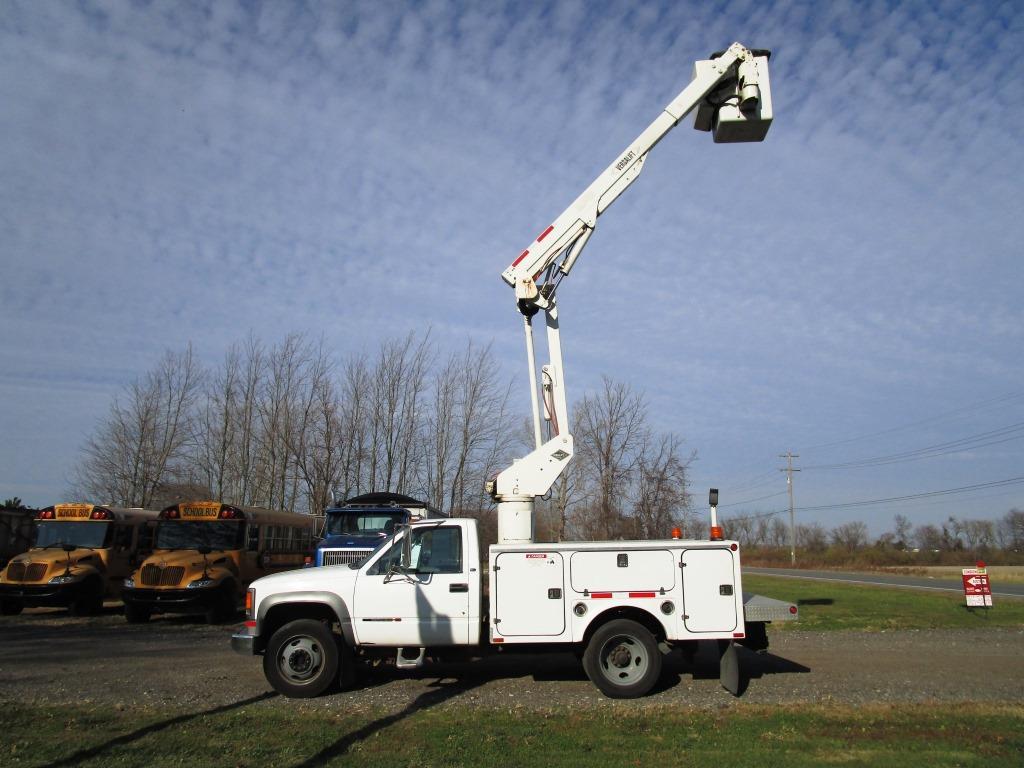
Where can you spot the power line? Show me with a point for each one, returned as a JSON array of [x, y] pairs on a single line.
[[931, 420], [979, 440], [925, 495], [751, 501]]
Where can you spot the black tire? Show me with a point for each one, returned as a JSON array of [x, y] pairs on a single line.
[[225, 604], [622, 659], [137, 614], [301, 660], [11, 607], [88, 601]]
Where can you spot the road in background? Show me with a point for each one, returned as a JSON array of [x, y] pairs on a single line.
[[886, 580]]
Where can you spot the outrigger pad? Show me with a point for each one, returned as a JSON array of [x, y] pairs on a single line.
[[729, 667]]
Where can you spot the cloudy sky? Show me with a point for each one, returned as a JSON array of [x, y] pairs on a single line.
[[849, 290]]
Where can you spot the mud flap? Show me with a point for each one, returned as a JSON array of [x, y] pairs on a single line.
[[729, 667]]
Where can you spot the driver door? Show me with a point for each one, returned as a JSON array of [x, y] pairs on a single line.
[[424, 604]]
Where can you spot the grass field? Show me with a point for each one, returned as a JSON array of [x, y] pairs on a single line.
[[269, 734], [831, 605]]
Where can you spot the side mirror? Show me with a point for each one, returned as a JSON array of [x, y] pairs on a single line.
[[407, 550], [713, 497]]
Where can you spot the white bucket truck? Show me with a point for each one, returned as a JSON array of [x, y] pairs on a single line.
[[618, 603]]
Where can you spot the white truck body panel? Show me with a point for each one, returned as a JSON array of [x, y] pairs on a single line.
[[707, 574], [536, 607], [533, 599]]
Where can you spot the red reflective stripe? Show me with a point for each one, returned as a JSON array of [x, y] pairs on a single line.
[[641, 594], [600, 594], [522, 256], [545, 233], [737, 634], [498, 640]]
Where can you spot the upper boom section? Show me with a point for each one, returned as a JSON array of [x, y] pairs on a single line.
[[733, 100]]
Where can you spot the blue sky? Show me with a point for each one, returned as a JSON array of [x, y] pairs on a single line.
[[851, 288]]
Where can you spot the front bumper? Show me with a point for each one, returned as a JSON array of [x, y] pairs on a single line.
[[173, 600], [41, 595], [243, 643]]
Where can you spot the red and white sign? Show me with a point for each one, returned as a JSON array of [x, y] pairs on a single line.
[[977, 589]]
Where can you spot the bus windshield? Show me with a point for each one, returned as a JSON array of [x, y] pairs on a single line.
[[363, 523], [218, 535], [85, 534]]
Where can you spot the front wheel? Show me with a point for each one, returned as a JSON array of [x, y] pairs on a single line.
[[302, 659], [10, 607], [137, 614], [623, 659], [88, 601]]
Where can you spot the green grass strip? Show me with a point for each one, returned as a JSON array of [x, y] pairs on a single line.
[[286, 734], [828, 605]]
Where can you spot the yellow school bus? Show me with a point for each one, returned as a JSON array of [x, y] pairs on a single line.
[[205, 555], [82, 553]]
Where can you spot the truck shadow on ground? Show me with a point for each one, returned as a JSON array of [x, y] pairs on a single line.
[[97, 751], [568, 668], [438, 693], [705, 666]]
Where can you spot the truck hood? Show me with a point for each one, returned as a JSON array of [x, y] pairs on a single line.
[[333, 578]]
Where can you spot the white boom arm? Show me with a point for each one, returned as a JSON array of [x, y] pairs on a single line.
[[733, 100]]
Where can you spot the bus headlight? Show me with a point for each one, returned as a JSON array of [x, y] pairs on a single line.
[[201, 584], [63, 579], [129, 583]]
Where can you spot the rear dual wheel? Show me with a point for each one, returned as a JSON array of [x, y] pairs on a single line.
[[623, 659]]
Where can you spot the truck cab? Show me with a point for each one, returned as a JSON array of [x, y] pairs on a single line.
[[354, 528]]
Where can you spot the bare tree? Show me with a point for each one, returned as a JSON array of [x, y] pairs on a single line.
[[902, 530], [1011, 530], [662, 495], [316, 444], [142, 442], [812, 537], [850, 536], [399, 384], [610, 432]]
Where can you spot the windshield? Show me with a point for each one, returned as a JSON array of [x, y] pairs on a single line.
[[217, 535], [363, 523], [87, 534]]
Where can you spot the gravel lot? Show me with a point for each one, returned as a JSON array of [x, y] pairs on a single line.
[[48, 657]]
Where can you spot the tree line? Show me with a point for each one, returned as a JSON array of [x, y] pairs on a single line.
[[955, 536], [286, 426]]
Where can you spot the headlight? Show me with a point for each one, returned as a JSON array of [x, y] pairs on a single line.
[[201, 583], [66, 579], [129, 583]]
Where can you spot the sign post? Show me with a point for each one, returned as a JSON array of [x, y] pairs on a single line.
[[977, 589]]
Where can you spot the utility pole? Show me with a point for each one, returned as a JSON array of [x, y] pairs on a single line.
[[789, 456]]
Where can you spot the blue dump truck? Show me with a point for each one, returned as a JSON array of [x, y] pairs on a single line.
[[355, 527]]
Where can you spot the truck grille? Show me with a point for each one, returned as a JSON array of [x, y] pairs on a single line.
[[168, 576], [343, 556], [26, 571]]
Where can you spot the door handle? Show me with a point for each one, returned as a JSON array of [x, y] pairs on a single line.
[[458, 587]]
